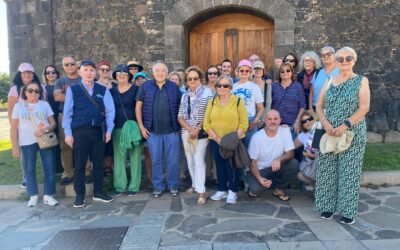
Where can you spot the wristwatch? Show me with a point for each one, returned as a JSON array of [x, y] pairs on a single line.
[[347, 123]]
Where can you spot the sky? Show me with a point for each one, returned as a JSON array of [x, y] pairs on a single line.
[[4, 62]]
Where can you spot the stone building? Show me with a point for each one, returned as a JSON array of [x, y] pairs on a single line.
[[184, 32]]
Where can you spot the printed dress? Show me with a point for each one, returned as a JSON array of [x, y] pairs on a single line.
[[338, 175]]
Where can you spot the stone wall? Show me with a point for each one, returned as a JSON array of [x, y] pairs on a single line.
[[43, 31]]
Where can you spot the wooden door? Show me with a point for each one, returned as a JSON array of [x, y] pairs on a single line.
[[233, 36]]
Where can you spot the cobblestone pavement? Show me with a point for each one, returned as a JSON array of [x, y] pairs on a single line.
[[178, 223]]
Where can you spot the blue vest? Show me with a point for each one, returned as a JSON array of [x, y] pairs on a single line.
[[85, 113], [150, 88]]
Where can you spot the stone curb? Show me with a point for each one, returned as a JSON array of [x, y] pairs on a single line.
[[12, 192]]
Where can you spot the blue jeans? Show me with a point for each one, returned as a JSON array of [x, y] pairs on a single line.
[[159, 145], [227, 177], [249, 134], [29, 154]]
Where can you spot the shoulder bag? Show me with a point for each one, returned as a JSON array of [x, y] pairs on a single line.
[[47, 140]]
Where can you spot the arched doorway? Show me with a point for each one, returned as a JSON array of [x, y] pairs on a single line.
[[234, 36]]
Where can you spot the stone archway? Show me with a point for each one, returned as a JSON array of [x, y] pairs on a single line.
[[184, 13]]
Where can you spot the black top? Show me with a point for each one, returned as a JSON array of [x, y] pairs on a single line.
[[129, 102]]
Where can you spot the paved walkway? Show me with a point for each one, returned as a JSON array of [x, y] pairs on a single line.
[[178, 223]]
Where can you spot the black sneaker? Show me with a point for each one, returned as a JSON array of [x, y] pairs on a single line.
[[79, 201], [88, 179], [174, 192], [66, 180], [157, 193], [327, 215], [346, 221], [132, 193], [103, 197], [116, 193]]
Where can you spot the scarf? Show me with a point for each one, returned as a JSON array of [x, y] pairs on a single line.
[[130, 136], [195, 98]]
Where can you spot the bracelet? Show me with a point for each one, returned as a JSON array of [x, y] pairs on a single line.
[[322, 120]]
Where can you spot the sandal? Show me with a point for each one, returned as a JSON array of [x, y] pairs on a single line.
[[251, 194], [281, 195], [201, 201], [189, 191]]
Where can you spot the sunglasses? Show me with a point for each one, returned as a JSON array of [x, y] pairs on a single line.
[[104, 70], [53, 72], [122, 73], [342, 59], [244, 71], [36, 91], [327, 54], [225, 86], [289, 60], [69, 64], [133, 68], [189, 79], [287, 71], [212, 73], [309, 119]]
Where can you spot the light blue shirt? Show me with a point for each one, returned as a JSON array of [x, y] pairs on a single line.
[[318, 83], [69, 110]]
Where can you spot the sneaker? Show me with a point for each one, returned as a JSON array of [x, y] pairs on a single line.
[[66, 180], [103, 197], [327, 215], [219, 195], [346, 221], [174, 192], [231, 198], [49, 200], [132, 193], [79, 201], [33, 200], [23, 183], [88, 179], [157, 193], [116, 193]]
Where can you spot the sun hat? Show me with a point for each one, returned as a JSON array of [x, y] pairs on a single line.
[[245, 63], [258, 64], [135, 63], [121, 68], [23, 67]]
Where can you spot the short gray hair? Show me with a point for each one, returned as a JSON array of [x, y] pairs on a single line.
[[228, 78], [157, 64], [314, 57], [347, 49]]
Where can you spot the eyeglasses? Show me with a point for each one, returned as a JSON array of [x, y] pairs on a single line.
[[342, 59], [53, 72], [189, 79], [225, 86], [289, 60], [120, 73], [212, 73], [133, 68], [287, 71], [244, 71], [36, 91], [104, 70], [309, 119], [69, 64], [327, 54]]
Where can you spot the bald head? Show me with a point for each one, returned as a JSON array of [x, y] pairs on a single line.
[[272, 121]]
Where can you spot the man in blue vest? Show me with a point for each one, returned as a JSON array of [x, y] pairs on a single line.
[[87, 105], [157, 105]]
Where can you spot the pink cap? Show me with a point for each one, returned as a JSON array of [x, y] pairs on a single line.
[[243, 63], [23, 67]]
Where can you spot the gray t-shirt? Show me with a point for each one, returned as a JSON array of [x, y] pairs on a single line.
[[63, 84]]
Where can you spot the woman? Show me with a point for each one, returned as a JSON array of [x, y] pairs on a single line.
[[265, 85], [304, 140], [124, 95], [49, 76], [176, 77], [139, 78], [342, 106], [134, 67], [292, 60], [212, 75], [32, 118], [225, 113], [309, 64], [190, 117], [288, 98]]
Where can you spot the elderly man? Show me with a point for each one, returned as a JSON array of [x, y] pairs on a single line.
[[87, 105], [271, 151], [157, 116]]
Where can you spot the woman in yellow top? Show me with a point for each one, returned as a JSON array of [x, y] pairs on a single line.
[[225, 114]]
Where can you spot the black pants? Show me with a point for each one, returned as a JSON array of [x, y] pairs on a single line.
[[88, 142], [280, 179]]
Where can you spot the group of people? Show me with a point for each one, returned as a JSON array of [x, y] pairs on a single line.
[[256, 126]]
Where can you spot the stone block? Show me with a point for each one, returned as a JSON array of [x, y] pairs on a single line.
[[307, 245], [380, 177], [381, 244], [395, 40], [374, 137], [30, 6], [343, 244], [392, 137], [329, 231], [70, 192], [284, 37], [239, 246]]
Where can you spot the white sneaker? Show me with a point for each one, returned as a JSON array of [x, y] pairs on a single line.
[[219, 195], [231, 198], [33, 201], [49, 200]]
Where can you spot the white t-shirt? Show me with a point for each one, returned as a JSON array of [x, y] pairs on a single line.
[[25, 113], [250, 93], [265, 149]]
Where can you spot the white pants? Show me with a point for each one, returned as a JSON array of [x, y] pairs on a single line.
[[195, 153]]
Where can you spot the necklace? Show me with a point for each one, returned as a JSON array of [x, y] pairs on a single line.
[[345, 80]]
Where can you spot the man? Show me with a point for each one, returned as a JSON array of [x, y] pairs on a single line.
[[226, 67], [157, 116], [318, 81], [87, 105], [275, 68], [253, 58], [271, 151], [71, 77]]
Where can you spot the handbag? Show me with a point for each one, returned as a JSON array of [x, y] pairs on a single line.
[[202, 133], [308, 167], [318, 133]]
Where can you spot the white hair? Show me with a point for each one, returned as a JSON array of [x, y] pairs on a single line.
[[347, 49], [158, 64], [314, 57]]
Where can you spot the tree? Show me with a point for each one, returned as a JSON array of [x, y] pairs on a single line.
[[4, 86]]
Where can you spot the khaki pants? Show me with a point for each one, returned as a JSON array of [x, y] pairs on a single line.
[[66, 153]]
